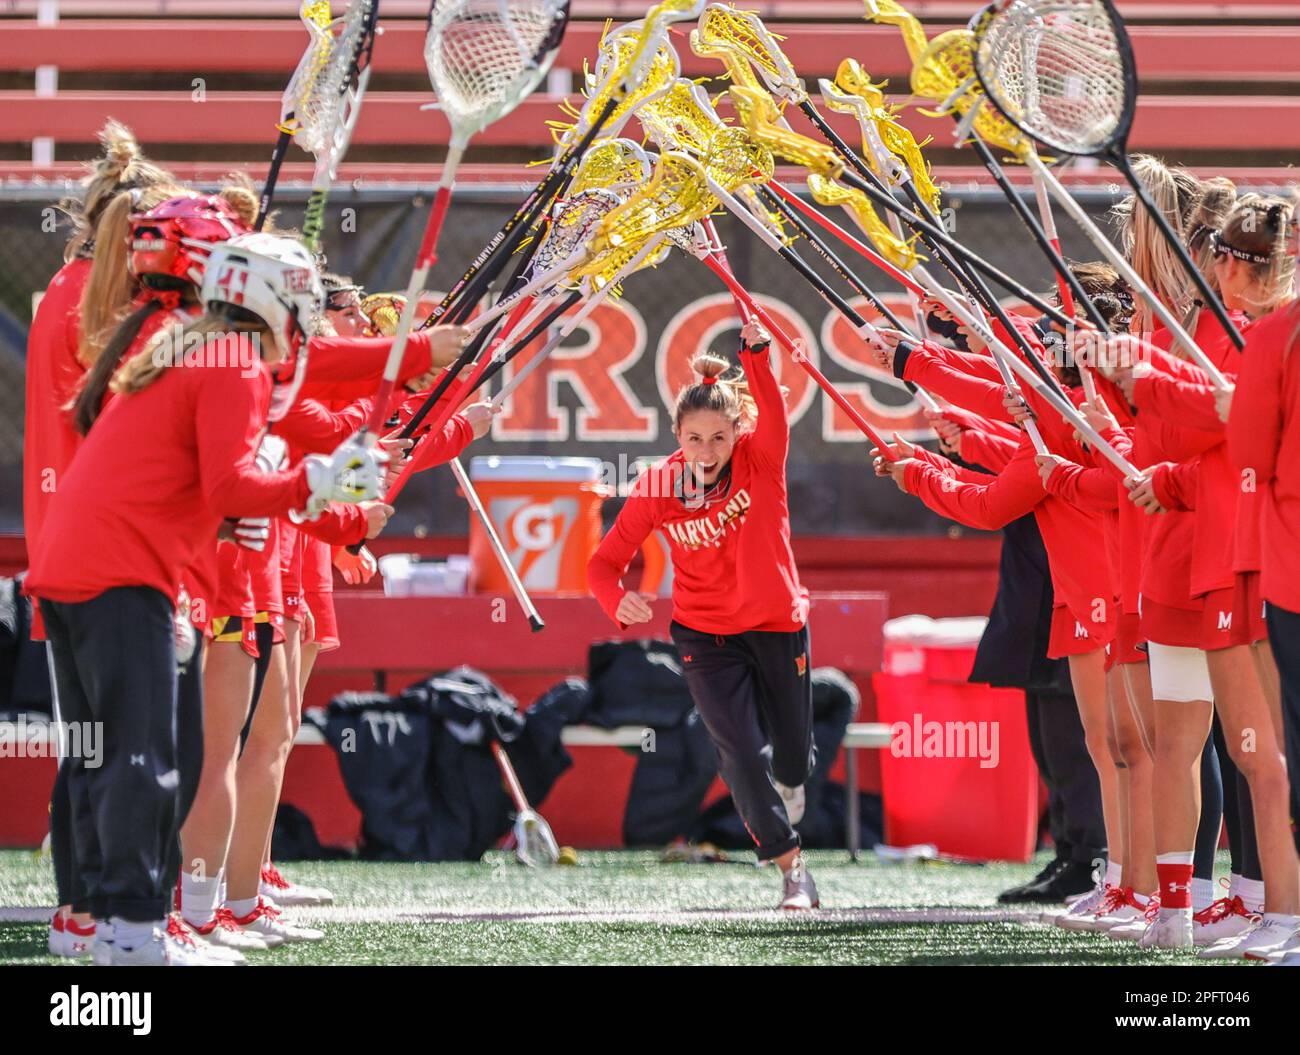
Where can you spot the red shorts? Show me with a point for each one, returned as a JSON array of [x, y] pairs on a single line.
[[234, 587], [264, 573], [292, 542], [1166, 625], [1073, 637], [1128, 636], [1235, 615], [235, 628], [318, 592]]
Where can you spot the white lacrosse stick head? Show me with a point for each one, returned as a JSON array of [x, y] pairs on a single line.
[[486, 56], [330, 102], [572, 222]]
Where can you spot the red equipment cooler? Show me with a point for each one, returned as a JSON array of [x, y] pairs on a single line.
[[958, 773]]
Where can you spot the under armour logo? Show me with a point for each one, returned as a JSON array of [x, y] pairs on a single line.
[[801, 664], [1179, 886], [686, 659], [137, 760]]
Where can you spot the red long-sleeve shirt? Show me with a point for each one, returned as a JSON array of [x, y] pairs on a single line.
[[53, 375], [155, 477], [1264, 439], [733, 569]]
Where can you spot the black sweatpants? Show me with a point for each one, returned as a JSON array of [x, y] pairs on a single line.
[[189, 748], [754, 692], [1284, 636], [1073, 791], [115, 661]]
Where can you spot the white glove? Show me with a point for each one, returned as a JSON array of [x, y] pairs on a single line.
[[353, 473], [252, 532], [272, 453]]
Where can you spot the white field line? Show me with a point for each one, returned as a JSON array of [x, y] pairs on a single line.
[[679, 917]]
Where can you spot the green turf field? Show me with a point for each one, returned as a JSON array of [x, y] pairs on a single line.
[[628, 908]]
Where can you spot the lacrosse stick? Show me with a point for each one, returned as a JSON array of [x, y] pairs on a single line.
[[315, 15], [534, 843], [941, 73], [635, 62], [484, 57], [1062, 71]]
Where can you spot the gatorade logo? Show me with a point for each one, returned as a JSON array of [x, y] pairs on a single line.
[[535, 527], [1225, 620]]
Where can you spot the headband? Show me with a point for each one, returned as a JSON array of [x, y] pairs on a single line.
[[1222, 247]]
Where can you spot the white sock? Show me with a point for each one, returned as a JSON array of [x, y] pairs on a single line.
[[200, 898], [130, 934], [1234, 884], [1114, 872], [1251, 892], [1141, 899], [1202, 893], [242, 906]]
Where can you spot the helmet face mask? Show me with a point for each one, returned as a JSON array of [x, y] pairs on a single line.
[[275, 280]]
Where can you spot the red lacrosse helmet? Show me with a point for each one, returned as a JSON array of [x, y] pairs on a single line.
[[170, 242]]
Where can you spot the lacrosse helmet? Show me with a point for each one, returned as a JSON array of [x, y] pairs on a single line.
[[171, 242], [273, 279]]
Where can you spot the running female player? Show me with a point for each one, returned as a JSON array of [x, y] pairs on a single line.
[[739, 612], [175, 448]]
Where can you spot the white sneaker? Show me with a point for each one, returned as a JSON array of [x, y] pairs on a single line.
[[1273, 939], [267, 923], [182, 930], [795, 801], [800, 890], [1086, 914], [68, 938], [223, 932], [161, 950], [1291, 959], [275, 887], [1225, 919], [1169, 932]]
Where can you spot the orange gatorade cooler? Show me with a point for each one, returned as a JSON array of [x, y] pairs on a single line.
[[547, 513]]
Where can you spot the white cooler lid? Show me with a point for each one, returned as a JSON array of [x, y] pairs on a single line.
[[921, 630], [528, 468]]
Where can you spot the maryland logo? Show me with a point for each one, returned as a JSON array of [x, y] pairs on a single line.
[[801, 663]]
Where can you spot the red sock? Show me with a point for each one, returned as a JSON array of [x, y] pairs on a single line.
[[1175, 881]]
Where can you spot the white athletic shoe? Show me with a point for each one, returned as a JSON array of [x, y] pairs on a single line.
[[1086, 914], [161, 950], [222, 932], [274, 887], [267, 923], [795, 801], [1271, 940], [1224, 919], [1291, 959], [800, 890], [1170, 932], [216, 941], [68, 938], [1135, 928]]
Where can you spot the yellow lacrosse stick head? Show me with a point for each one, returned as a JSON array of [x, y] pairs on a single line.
[[677, 194], [620, 50], [948, 64], [680, 118], [316, 17], [887, 12], [758, 113], [611, 163], [739, 38], [852, 80], [829, 193], [382, 311], [736, 159]]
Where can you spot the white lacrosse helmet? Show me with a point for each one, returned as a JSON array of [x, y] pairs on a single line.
[[275, 279]]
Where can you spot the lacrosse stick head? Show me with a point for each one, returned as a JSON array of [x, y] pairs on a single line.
[[946, 74], [611, 164], [316, 16], [888, 12], [831, 194], [759, 115], [740, 39], [535, 844], [572, 222], [620, 51], [736, 159], [327, 86], [853, 92], [486, 56], [677, 194], [680, 118], [1061, 71]]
